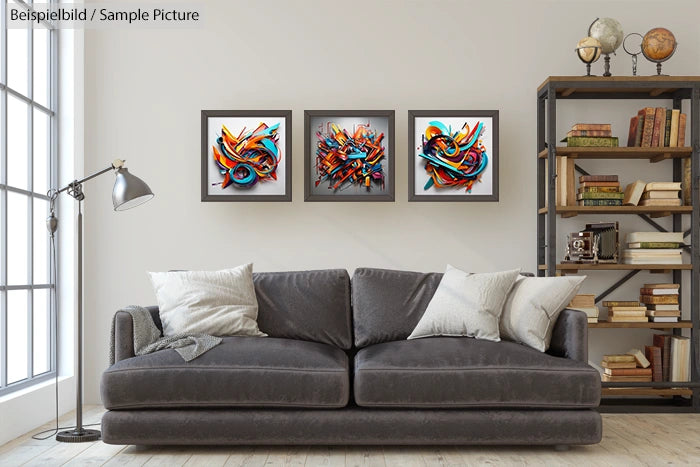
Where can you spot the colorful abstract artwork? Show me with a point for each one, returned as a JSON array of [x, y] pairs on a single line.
[[246, 155], [349, 155], [454, 155]]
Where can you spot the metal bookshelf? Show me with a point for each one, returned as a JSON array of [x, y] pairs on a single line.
[[625, 397]]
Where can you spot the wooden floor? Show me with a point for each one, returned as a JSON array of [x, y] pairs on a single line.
[[648, 439]]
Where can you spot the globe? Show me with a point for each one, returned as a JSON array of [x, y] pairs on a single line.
[[658, 44], [609, 32], [588, 49]]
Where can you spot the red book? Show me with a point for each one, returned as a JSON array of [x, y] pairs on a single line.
[[653, 354], [628, 371], [648, 130], [659, 124], [663, 341], [632, 136], [681, 130], [597, 178], [592, 126]]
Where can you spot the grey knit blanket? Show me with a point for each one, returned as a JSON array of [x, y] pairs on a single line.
[[147, 337]]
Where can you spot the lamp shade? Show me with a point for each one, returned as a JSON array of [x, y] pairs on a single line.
[[129, 191]]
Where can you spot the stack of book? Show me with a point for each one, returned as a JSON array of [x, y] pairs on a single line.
[[661, 301], [599, 190], [585, 303], [653, 248], [626, 312], [661, 194], [629, 367], [657, 127], [591, 135]]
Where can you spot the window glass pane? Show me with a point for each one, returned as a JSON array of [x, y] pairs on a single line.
[[17, 139], [17, 238], [41, 152], [18, 60], [41, 242], [17, 314], [42, 324], [41, 66]]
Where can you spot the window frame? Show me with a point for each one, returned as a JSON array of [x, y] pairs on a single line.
[[31, 286]]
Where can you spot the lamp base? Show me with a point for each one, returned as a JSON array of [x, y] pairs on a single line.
[[78, 436]]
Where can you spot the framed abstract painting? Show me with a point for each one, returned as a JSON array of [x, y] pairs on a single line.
[[349, 155], [453, 155], [246, 155]]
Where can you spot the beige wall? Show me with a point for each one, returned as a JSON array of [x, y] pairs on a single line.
[[145, 89]]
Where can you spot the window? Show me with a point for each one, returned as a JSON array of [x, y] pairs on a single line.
[[27, 171]]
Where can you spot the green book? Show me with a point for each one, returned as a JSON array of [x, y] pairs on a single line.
[[599, 189], [600, 195], [667, 128], [600, 202], [653, 245], [591, 141]]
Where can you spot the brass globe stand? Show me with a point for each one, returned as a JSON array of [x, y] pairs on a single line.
[[594, 56]]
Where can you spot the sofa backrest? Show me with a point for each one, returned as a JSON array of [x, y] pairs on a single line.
[[388, 304], [306, 305]]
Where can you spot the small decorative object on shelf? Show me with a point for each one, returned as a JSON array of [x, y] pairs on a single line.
[[658, 45], [588, 51], [633, 48], [609, 32], [597, 243]]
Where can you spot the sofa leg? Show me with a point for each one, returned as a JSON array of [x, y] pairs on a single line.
[[561, 447]]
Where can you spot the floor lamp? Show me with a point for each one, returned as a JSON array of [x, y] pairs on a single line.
[[129, 191]]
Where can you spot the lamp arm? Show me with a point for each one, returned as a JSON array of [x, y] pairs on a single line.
[[117, 164]]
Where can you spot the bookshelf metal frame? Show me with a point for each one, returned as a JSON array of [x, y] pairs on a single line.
[[676, 89]]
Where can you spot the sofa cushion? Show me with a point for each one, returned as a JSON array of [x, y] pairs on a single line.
[[460, 372], [240, 372], [306, 305], [387, 304]]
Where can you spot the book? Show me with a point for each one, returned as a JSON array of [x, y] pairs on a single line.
[[570, 186], [681, 130], [592, 319], [599, 184], [632, 135], [659, 122], [663, 319], [609, 303], [653, 260], [627, 371], [680, 359], [618, 309], [674, 237], [660, 202], [667, 129], [607, 133], [651, 252], [646, 291], [639, 356], [661, 194], [582, 300], [663, 341], [599, 189], [632, 364], [664, 313], [653, 354], [675, 117], [653, 245], [648, 129], [600, 202], [659, 299], [686, 182], [674, 186], [591, 141], [663, 285], [591, 311], [661, 307], [593, 195], [625, 379], [561, 181], [597, 178], [628, 319], [592, 126], [633, 193], [619, 358], [640, 129]]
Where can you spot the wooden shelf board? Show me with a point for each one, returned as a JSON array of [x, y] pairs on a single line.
[[648, 325], [618, 267], [646, 391], [653, 85], [654, 211], [652, 154]]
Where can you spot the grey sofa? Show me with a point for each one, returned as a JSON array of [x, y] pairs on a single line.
[[337, 369]]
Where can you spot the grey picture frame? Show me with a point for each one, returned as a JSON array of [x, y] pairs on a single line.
[[287, 115], [493, 155], [309, 141]]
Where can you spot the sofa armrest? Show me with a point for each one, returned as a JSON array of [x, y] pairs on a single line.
[[570, 336], [124, 333]]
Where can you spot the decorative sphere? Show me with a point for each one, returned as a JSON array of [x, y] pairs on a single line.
[[658, 44], [588, 49], [609, 32]]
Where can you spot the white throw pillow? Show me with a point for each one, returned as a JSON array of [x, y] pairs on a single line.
[[220, 303], [533, 306], [466, 305]]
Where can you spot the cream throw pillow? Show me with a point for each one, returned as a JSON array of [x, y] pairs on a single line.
[[533, 306], [220, 303], [466, 305]]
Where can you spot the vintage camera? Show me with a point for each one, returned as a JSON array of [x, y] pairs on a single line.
[[597, 243]]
